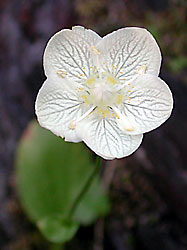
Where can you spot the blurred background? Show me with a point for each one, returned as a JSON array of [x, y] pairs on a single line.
[[148, 190]]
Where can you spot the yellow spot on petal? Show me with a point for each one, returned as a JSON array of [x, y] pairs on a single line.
[[129, 129], [72, 125], [80, 89], [95, 50], [129, 99], [114, 115], [61, 73], [141, 70], [111, 79]]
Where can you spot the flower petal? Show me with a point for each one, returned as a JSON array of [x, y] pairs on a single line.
[[128, 52], [69, 53], [89, 35], [105, 138], [147, 105], [56, 106]]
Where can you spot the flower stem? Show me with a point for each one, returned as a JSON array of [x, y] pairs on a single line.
[[85, 187], [57, 246]]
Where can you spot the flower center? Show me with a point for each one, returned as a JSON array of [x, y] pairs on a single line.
[[103, 96], [101, 92]]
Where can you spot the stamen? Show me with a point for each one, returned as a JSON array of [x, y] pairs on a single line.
[[73, 123], [85, 98], [119, 99], [111, 80], [126, 124], [102, 112], [91, 80]]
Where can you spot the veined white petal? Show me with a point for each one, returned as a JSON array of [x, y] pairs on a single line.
[[147, 105], [71, 136], [128, 52], [69, 51], [105, 138], [57, 105], [89, 35]]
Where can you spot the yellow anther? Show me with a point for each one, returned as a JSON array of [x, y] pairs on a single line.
[[141, 70], [61, 73], [95, 50], [111, 79]]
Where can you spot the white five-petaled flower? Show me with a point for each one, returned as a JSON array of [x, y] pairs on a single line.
[[103, 91]]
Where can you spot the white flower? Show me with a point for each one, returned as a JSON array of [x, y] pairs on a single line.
[[103, 91]]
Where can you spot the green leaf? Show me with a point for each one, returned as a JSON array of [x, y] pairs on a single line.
[[57, 230], [50, 175]]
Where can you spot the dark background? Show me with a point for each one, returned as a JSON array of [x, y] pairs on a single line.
[[148, 189]]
